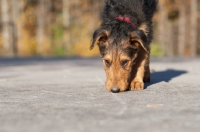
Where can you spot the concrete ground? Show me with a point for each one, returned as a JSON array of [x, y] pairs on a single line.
[[68, 95]]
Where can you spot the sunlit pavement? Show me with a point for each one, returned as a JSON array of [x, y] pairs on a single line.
[[68, 95]]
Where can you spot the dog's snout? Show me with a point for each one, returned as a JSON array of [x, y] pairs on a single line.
[[115, 90]]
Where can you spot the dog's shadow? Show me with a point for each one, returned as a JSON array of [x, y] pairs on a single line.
[[165, 76]]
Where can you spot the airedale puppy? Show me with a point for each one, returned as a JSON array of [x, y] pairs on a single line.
[[123, 39]]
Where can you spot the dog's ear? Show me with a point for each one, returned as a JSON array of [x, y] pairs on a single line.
[[100, 36], [138, 38]]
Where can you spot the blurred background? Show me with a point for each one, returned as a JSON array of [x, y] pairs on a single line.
[[31, 28]]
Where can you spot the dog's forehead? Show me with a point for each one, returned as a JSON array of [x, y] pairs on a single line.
[[116, 55], [117, 48], [118, 42]]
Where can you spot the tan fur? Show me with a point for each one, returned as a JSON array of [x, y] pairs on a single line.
[[147, 73], [116, 77], [144, 28], [139, 71], [146, 78], [137, 68]]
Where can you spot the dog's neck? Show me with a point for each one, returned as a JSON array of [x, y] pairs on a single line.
[[126, 19]]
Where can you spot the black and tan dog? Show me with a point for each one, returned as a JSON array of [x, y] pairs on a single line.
[[123, 39]]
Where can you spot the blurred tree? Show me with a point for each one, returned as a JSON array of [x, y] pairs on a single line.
[[15, 24], [66, 24], [65, 27], [7, 28], [40, 25], [182, 28], [178, 27], [194, 27], [162, 21]]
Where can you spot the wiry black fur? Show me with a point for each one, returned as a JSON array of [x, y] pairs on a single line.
[[140, 11]]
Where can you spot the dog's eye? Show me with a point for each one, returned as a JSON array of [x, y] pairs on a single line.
[[124, 63], [107, 62]]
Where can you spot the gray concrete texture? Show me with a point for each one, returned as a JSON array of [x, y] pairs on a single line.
[[68, 95]]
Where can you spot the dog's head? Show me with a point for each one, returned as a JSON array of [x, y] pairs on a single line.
[[119, 55]]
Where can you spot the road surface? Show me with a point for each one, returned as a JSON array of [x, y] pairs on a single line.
[[68, 95]]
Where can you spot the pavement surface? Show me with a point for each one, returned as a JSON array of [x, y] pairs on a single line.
[[68, 95]]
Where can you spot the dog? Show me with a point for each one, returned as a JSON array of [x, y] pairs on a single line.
[[124, 39]]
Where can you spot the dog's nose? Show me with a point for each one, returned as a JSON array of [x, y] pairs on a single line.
[[115, 90]]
